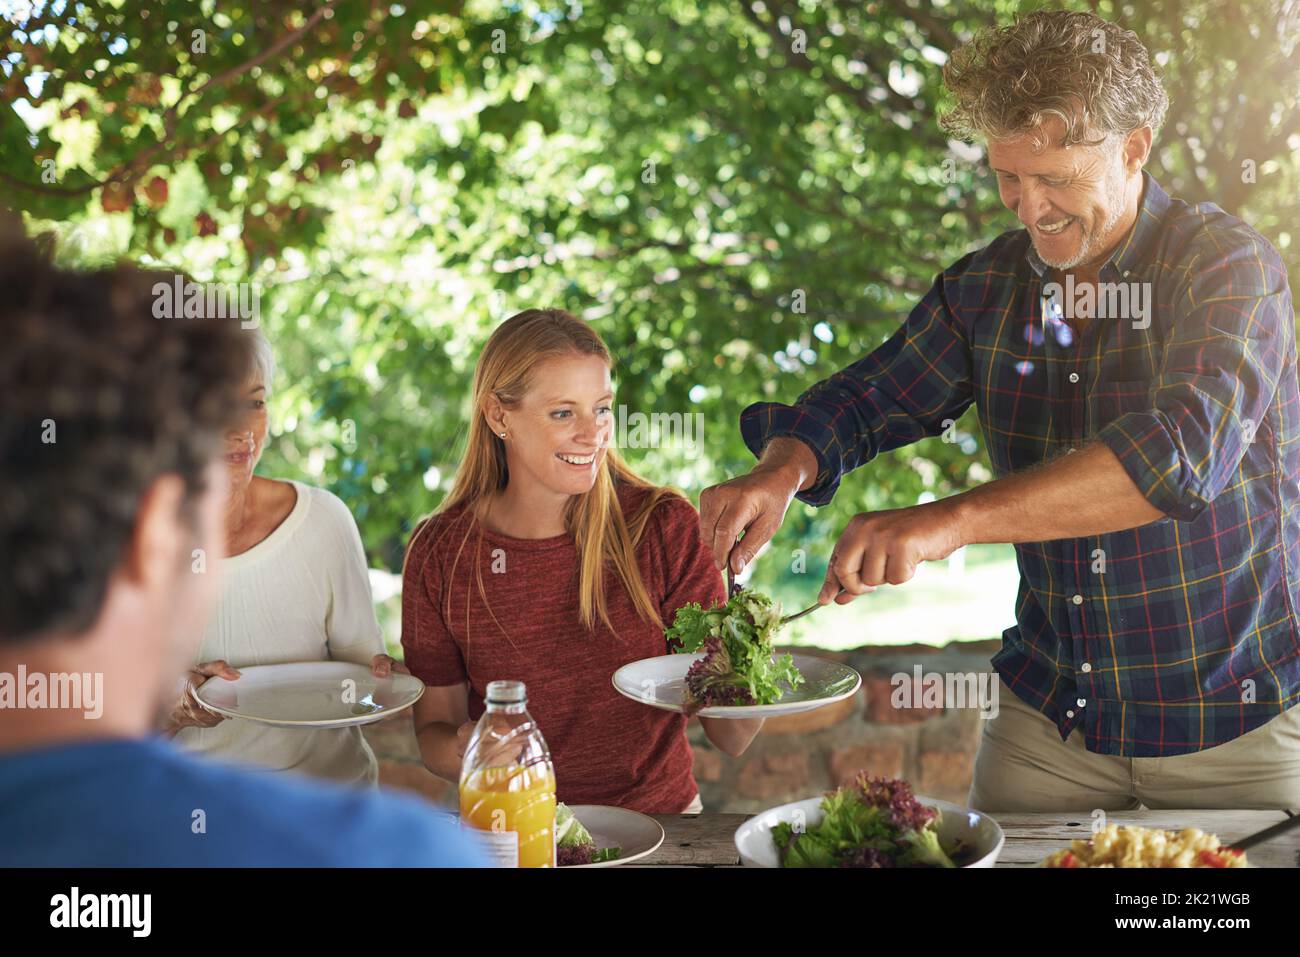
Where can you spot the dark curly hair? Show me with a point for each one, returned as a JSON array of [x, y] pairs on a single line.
[[1092, 74], [99, 398]]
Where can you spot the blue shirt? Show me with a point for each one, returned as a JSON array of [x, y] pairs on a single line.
[[1155, 641], [146, 803]]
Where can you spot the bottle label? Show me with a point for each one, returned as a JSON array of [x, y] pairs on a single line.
[[502, 847]]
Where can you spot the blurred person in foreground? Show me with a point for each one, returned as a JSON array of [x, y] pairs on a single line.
[[111, 482], [1147, 451]]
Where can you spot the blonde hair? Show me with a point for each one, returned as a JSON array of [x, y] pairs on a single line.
[[604, 538]]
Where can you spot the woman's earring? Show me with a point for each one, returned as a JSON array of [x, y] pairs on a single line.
[[503, 435]]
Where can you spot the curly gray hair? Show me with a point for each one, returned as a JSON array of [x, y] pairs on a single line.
[[1090, 73]]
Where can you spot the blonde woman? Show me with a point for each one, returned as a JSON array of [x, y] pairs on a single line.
[[296, 589], [551, 562]]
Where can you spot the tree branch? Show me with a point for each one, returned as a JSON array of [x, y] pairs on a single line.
[[853, 94], [928, 25], [171, 115]]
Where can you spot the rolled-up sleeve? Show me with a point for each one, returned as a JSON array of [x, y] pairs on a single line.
[[1231, 337], [904, 391]]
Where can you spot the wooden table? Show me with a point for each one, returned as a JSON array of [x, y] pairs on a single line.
[[706, 840]]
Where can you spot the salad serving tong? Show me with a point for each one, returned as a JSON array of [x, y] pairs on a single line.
[[732, 588]]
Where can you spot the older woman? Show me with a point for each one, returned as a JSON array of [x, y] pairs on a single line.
[[296, 589]]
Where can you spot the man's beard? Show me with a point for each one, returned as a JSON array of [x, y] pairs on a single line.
[[1092, 240]]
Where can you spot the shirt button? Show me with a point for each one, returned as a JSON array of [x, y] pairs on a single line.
[[1077, 599], [1081, 702], [1069, 714], [1074, 377], [1086, 667]]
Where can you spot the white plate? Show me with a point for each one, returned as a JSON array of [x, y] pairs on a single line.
[[757, 849], [658, 682], [310, 694], [634, 833]]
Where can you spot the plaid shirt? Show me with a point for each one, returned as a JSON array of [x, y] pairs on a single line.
[[1161, 640]]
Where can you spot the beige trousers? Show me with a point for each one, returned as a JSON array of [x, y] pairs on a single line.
[[1023, 765]]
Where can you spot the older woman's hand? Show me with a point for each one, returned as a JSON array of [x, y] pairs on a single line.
[[189, 712], [382, 666]]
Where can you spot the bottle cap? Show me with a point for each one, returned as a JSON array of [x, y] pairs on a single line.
[[506, 692]]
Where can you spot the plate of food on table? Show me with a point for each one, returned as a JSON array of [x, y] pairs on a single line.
[[724, 665], [594, 835], [1128, 846]]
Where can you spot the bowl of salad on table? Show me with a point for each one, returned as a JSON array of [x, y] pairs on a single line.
[[871, 822]]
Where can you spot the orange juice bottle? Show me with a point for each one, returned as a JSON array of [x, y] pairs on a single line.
[[507, 781]]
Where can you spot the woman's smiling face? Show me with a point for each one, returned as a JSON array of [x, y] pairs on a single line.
[[558, 434], [244, 441]]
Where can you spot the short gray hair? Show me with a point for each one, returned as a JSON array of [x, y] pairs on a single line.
[[1092, 74], [263, 357]]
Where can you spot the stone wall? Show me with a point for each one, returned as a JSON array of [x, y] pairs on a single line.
[[799, 755]]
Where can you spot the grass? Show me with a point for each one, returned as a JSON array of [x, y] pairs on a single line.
[[969, 597]]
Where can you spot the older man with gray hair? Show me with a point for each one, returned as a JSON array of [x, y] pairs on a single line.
[[1132, 358]]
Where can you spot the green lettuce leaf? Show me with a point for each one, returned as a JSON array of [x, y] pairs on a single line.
[[741, 658], [569, 831]]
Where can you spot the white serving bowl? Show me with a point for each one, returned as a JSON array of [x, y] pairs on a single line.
[[972, 828]]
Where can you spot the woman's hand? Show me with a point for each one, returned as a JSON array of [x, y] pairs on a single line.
[[189, 712], [463, 734], [731, 736], [383, 666], [443, 728]]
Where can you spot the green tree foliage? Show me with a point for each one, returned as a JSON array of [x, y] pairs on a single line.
[[742, 197]]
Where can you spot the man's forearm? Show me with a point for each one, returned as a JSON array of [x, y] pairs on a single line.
[[792, 458], [1080, 494]]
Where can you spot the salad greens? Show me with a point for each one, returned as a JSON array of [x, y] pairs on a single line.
[[738, 667], [574, 843], [872, 822]]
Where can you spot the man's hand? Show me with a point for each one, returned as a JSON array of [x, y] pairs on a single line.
[[755, 503], [880, 547]]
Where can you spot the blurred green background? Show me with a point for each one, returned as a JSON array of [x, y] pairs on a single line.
[[741, 197]]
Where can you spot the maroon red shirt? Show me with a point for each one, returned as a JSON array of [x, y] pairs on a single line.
[[607, 748]]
